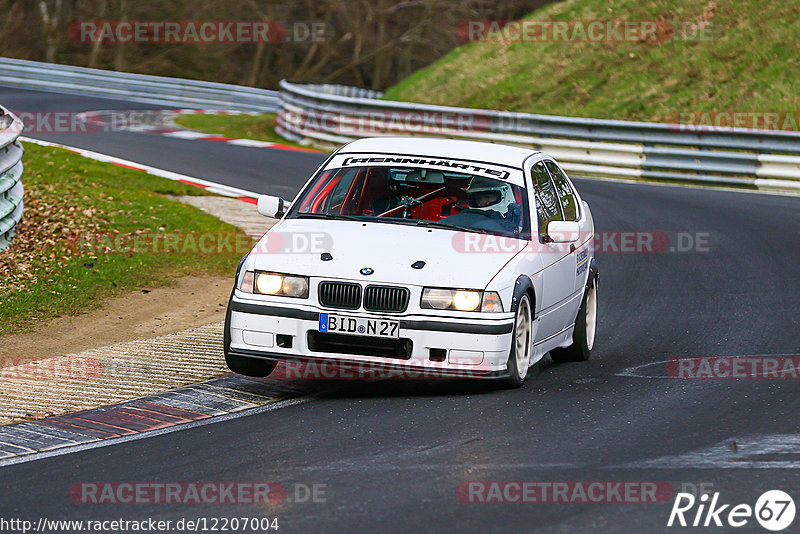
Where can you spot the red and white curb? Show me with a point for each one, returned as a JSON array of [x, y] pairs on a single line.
[[212, 187], [99, 118], [177, 409]]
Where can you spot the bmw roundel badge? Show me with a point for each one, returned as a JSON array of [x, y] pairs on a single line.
[[366, 271]]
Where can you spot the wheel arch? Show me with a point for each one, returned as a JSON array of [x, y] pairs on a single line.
[[523, 285], [594, 273]]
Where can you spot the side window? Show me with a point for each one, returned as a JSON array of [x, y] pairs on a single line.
[[337, 196], [547, 205], [569, 202]]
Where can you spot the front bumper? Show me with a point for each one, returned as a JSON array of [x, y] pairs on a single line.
[[429, 346]]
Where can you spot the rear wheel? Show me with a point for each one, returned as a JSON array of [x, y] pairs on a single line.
[[519, 357], [585, 329]]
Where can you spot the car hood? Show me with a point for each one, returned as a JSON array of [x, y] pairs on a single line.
[[294, 246]]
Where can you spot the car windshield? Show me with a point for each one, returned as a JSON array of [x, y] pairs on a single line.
[[408, 195]]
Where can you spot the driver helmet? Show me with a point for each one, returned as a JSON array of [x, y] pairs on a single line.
[[490, 195]]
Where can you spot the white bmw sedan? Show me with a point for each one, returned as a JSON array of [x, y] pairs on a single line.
[[431, 256]]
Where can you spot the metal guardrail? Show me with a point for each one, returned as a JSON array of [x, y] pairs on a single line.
[[11, 190], [343, 90], [177, 92], [332, 115]]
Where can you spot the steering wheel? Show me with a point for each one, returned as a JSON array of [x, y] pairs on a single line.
[[454, 202], [405, 202], [408, 201]]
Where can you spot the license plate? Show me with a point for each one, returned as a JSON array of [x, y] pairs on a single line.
[[358, 326]]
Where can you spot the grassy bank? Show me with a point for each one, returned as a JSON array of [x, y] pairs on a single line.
[[711, 56], [92, 230]]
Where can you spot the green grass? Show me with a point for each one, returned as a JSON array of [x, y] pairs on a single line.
[[746, 61], [258, 127], [74, 208]]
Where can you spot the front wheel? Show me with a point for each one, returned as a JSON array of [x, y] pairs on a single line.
[[255, 367], [585, 329], [519, 357]]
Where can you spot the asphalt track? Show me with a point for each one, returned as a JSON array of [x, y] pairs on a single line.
[[392, 454]]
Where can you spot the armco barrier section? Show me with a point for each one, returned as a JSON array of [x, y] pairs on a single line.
[[332, 115], [11, 189], [165, 91], [326, 114]]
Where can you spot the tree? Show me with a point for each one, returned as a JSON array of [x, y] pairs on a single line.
[[50, 11], [369, 43]]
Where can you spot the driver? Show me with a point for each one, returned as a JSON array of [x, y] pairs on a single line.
[[490, 196]]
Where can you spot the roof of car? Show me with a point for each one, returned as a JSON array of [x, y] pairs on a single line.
[[441, 148]]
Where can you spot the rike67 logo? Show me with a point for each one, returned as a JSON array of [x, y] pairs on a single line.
[[774, 510]]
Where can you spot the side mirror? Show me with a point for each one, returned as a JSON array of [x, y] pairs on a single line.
[[270, 206], [563, 231]]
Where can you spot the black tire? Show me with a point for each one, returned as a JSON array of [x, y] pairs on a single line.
[[581, 348], [246, 366], [515, 379]]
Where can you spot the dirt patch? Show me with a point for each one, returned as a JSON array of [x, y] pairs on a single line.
[[193, 302]]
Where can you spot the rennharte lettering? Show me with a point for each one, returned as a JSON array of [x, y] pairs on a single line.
[[469, 167]]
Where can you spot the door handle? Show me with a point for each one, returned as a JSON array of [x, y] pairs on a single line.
[[572, 248]]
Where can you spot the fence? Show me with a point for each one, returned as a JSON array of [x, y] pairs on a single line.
[[164, 91], [11, 189], [332, 115]]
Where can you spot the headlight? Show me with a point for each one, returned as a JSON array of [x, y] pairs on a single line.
[[461, 300], [466, 300], [269, 284], [283, 285]]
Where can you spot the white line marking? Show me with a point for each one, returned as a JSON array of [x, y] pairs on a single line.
[[14, 446], [187, 134], [223, 192], [632, 372], [251, 143], [151, 433]]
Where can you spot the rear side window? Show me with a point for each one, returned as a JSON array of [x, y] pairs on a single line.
[[569, 202], [547, 205]]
